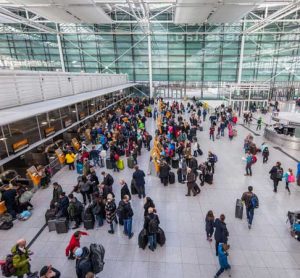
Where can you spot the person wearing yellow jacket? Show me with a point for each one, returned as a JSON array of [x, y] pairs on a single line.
[[70, 159]]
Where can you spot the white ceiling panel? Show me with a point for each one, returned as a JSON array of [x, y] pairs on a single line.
[[229, 13], [4, 19], [192, 15], [33, 2], [55, 14], [90, 14]]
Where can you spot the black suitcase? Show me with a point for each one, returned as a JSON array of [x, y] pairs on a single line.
[[196, 188], [62, 225], [50, 214], [171, 178], [208, 178], [160, 237], [175, 163], [130, 162], [143, 239], [109, 164], [133, 188], [51, 225], [239, 209], [89, 224]]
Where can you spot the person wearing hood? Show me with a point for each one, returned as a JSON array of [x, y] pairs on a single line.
[[21, 259], [221, 232], [83, 262], [49, 272], [223, 260]]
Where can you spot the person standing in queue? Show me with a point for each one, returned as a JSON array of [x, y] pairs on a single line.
[[139, 177], [151, 225]]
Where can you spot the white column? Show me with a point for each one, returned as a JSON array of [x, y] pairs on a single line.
[[241, 56], [61, 56], [150, 61]]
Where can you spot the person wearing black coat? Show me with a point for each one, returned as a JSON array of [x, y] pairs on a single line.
[[152, 234], [139, 177], [193, 164], [107, 179], [276, 174], [125, 212], [164, 173], [83, 262], [124, 189], [148, 204], [9, 196], [221, 232], [62, 206]]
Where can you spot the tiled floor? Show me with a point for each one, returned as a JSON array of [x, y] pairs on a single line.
[[267, 250]]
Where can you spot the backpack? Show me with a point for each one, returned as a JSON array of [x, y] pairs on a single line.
[[7, 268], [254, 201], [279, 173], [97, 253], [215, 158], [153, 226], [6, 225], [254, 159], [266, 151]]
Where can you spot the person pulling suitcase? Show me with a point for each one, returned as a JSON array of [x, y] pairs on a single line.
[[251, 203]]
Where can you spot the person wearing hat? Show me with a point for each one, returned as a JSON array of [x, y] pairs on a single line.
[[49, 272], [110, 212], [83, 262]]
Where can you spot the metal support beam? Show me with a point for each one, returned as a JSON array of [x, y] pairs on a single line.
[[150, 62], [61, 56], [239, 79]]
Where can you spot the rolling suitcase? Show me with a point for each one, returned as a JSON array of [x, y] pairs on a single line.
[[130, 162], [196, 188], [175, 163], [171, 178], [109, 164], [50, 214], [61, 225], [160, 237], [208, 178], [239, 209], [89, 224], [51, 225], [143, 239], [120, 164]]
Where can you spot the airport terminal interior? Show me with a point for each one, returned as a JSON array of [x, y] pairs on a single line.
[[150, 138]]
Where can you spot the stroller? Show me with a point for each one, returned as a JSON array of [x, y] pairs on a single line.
[[294, 222]]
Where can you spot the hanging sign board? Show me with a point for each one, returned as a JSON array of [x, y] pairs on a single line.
[[49, 131], [67, 122]]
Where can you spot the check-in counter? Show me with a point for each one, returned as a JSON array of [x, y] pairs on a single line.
[[286, 141]]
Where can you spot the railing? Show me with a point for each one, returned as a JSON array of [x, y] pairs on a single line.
[[24, 87]]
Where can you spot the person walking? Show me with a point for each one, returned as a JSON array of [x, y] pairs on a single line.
[[249, 161], [223, 259], [139, 177], [221, 232], [276, 174], [74, 243], [209, 224], [265, 153], [21, 259], [212, 132], [251, 203], [110, 212], [259, 123], [289, 178], [151, 225]]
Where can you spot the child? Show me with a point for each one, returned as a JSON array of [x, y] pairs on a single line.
[[223, 261], [209, 224], [74, 243], [288, 177]]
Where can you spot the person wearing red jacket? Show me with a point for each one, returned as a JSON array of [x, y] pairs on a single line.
[[74, 243]]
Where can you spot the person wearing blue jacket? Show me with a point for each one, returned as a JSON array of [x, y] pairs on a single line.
[[223, 260]]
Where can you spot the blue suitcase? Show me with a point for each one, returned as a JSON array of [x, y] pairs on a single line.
[[79, 168]]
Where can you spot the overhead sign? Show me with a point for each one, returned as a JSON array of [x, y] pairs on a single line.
[[67, 122], [49, 131]]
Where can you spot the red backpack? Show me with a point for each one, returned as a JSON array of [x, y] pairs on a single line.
[[7, 267], [116, 157], [254, 159]]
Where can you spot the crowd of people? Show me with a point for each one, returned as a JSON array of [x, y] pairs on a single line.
[[122, 133]]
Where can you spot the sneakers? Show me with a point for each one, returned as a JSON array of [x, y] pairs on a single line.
[[131, 235], [249, 226], [111, 232]]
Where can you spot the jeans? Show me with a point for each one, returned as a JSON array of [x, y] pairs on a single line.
[[99, 219], [287, 186], [250, 215], [212, 136], [152, 241], [96, 161], [275, 184], [71, 166], [221, 270], [85, 195], [141, 190], [248, 169], [222, 132], [114, 164], [128, 226]]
